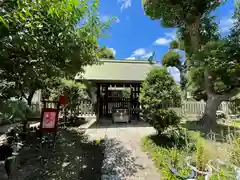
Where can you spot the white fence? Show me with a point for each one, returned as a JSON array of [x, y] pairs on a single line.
[[190, 108], [193, 108], [84, 108]]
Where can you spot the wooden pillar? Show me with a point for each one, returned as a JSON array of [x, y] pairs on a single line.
[[131, 102], [98, 102], [138, 104], [106, 100]]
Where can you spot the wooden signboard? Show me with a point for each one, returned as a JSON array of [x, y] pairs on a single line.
[[49, 119]]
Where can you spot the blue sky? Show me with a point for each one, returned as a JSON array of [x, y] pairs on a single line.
[[136, 36]]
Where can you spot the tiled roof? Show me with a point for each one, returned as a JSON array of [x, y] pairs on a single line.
[[121, 70]]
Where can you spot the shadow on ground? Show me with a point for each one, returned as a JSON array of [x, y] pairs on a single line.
[[74, 158], [109, 124], [218, 133], [119, 162]]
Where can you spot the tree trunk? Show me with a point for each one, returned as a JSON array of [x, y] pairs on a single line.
[[29, 98], [209, 119], [194, 32]]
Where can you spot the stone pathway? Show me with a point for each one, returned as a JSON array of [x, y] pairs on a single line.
[[124, 147]]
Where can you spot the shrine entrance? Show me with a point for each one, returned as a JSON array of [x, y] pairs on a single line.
[[110, 78], [119, 96]]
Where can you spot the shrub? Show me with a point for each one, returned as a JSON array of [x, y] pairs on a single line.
[[75, 92], [163, 157], [159, 93], [14, 109]]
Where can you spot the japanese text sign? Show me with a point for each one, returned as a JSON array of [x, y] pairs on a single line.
[[49, 119]]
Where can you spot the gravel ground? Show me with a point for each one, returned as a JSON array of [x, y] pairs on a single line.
[[123, 157]]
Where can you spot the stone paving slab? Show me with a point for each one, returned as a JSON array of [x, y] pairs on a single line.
[[130, 139]]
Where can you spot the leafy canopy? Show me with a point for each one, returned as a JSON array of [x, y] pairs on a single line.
[[222, 59], [40, 40], [178, 13]]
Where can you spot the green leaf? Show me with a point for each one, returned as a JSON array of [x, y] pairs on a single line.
[[4, 22]]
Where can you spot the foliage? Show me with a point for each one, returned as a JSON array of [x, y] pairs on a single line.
[[172, 58], [204, 151], [174, 44], [163, 156], [106, 53], [7, 90], [159, 92], [75, 93], [222, 63], [234, 155], [219, 54], [235, 105], [126, 93], [200, 161], [176, 13], [45, 39], [196, 28], [14, 109]]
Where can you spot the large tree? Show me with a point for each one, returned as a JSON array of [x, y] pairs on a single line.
[[183, 14], [189, 17], [41, 40]]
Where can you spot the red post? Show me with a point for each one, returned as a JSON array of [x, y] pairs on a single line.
[[63, 99]]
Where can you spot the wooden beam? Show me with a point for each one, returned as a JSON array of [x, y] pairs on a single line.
[[98, 102], [107, 99]]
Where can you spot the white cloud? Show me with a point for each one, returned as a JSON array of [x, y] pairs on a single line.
[[131, 58], [125, 4], [139, 52], [162, 41], [113, 50], [175, 73], [171, 35], [226, 24], [168, 37]]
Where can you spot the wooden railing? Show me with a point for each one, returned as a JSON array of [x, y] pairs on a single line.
[[86, 108]]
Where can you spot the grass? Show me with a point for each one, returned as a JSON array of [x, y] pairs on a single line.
[[161, 154]]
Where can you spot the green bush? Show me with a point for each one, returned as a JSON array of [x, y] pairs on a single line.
[[14, 109], [75, 92], [159, 94]]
